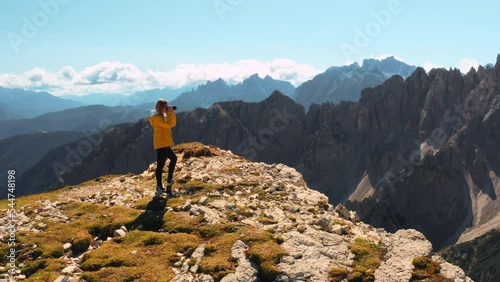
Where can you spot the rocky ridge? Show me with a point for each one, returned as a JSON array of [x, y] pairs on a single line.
[[232, 220]]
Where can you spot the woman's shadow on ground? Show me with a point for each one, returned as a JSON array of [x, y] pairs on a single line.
[[152, 218]]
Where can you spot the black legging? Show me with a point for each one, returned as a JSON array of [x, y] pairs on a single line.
[[161, 156]]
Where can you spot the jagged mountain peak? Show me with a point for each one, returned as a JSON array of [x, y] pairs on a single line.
[[253, 76], [218, 81], [346, 68], [389, 66], [252, 89], [277, 95], [231, 220], [338, 84]]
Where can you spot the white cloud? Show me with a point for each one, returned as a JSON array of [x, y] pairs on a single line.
[[466, 64], [117, 77], [430, 65]]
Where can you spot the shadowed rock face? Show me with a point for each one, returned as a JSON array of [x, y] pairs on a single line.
[[418, 153], [478, 257]]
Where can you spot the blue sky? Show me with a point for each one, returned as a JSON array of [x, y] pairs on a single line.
[[100, 38]]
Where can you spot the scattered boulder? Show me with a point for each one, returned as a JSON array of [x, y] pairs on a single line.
[[119, 233], [67, 247], [71, 269]]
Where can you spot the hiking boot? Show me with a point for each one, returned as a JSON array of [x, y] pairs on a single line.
[[169, 192], [159, 191]]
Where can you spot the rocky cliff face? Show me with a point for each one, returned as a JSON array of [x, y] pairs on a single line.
[[232, 220], [418, 153], [479, 257]]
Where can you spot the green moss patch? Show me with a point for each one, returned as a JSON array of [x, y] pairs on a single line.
[[217, 261], [427, 270], [367, 257], [140, 254], [337, 274], [265, 251], [43, 269]]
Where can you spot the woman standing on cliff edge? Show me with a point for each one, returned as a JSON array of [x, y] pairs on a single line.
[[162, 120]]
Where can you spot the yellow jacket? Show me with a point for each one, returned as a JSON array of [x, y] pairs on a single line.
[[162, 135]]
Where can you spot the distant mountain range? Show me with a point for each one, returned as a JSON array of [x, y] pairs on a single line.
[[86, 118], [252, 89], [389, 66], [148, 96], [336, 84], [345, 83], [18, 103]]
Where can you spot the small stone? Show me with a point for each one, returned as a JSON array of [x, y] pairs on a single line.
[[203, 200], [189, 190], [323, 222], [97, 243], [118, 233], [301, 228], [123, 228], [343, 211], [71, 269], [353, 216], [187, 206], [133, 252], [140, 227], [206, 177], [67, 246], [61, 278], [288, 260], [337, 229], [21, 277], [282, 278], [205, 278]]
